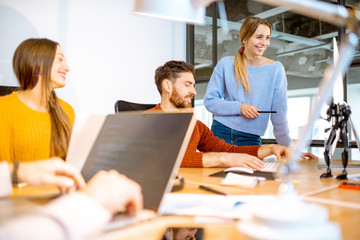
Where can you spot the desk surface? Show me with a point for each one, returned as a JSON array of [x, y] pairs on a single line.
[[343, 204]]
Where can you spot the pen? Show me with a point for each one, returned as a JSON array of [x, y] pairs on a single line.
[[266, 111], [211, 190]]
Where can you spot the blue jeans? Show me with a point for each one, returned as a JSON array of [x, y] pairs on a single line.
[[232, 136]]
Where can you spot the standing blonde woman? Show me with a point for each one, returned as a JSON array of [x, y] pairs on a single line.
[[34, 123], [243, 85]]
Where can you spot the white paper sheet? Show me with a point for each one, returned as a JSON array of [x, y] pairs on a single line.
[[230, 207]]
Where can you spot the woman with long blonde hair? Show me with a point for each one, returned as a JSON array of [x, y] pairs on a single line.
[[34, 123], [243, 85]]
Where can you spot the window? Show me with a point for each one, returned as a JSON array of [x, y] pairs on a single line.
[[303, 45]]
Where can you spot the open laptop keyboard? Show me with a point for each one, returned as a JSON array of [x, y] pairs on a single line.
[[270, 167]]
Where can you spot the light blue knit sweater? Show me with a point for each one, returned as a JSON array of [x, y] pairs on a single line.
[[268, 92]]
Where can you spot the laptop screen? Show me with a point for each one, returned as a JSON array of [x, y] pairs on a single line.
[[146, 147]]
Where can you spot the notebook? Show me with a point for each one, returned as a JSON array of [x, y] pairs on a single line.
[[147, 147]]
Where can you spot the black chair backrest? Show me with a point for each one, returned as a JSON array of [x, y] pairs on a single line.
[[121, 106], [6, 90]]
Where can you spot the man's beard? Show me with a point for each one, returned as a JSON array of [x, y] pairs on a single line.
[[178, 101]]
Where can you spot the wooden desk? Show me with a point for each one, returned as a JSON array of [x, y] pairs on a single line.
[[343, 204]]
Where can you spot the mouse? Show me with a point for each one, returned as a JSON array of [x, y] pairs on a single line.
[[239, 170]]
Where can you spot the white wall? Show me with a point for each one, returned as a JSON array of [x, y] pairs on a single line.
[[111, 52]]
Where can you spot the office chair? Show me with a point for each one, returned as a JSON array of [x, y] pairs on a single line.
[[6, 90], [121, 106]]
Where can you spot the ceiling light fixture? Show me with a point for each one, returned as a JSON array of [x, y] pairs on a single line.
[[178, 10], [189, 11]]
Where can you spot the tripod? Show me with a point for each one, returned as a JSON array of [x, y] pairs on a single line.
[[340, 114]]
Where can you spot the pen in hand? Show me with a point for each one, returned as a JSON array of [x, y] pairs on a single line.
[[211, 190]]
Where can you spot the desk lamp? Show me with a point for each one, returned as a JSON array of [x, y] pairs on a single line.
[[289, 217]]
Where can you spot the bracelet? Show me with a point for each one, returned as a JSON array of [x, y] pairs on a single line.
[[15, 180]]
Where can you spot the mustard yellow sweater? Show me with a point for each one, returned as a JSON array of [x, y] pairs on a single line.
[[25, 133]]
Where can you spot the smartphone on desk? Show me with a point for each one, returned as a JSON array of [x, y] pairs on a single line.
[[183, 233]]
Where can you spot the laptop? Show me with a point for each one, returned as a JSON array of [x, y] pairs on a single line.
[[147, 147]]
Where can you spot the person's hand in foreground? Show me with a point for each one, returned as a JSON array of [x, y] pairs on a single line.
[[115, 192], [53, 171]]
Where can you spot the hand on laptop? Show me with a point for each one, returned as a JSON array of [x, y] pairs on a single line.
[[53, 171], [115, 192], [224, 159], [308, 156], [278, 150]]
